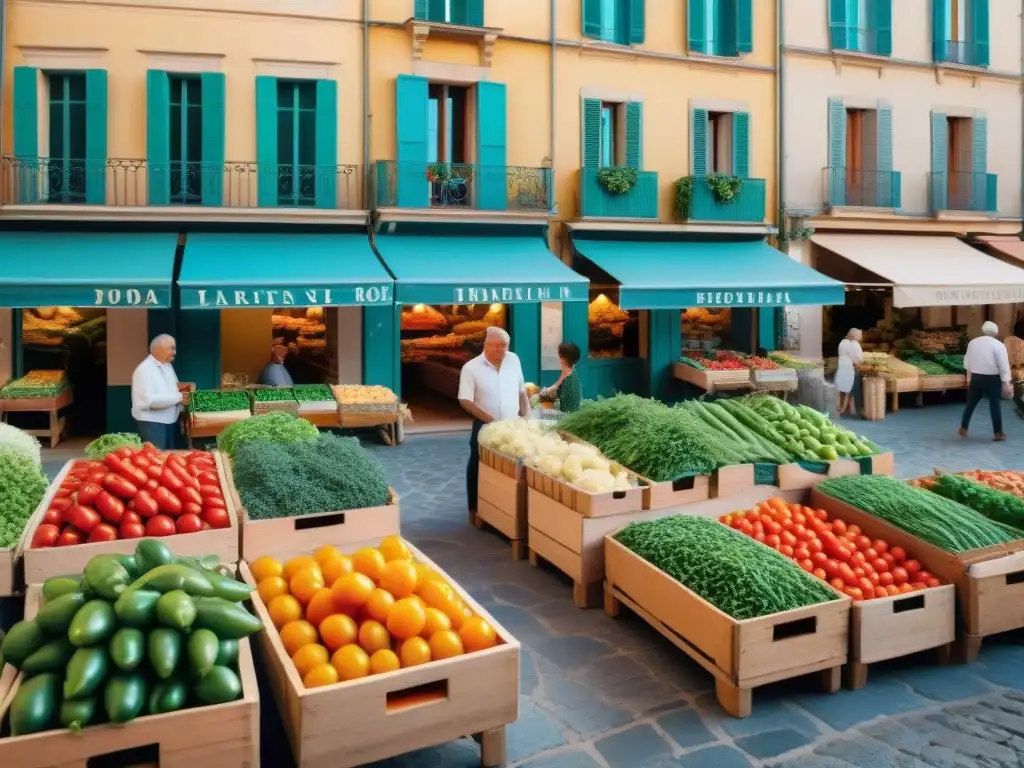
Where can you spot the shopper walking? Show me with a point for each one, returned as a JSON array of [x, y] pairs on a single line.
[[567, 390], [988, 376], [491, 388], [850, 356], [156, 395]]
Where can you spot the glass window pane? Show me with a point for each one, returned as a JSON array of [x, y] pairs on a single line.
[[77, 87], [432, 131], [195, 92], [57, 148], [307, 95], [195, 133], [307, 138], [176, 87], [607, 137], [285, 95], [285, 133], [609, 13], [76, 130], [176, 133]]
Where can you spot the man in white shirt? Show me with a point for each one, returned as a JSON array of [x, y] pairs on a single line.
[[988, 375], [156, 398], [491, 388]]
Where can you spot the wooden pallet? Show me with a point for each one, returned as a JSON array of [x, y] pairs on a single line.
[[501, 503], [51, 405]]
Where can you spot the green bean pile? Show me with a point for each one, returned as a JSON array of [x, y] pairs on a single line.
[[996, 505], [943, 523], [735, 574]]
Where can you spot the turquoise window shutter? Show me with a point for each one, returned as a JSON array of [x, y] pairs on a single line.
[[26, 137], [940, 145], [634, 134], [741, 144], [591, 133], [491, 155], [744, 26], [411, 135], [837, 151], [837, 24], [979, 179], [726, 30], [980, 32], [696, 23], [420, 9], [699, 142], [326, 144], [96, 136], [576, 330], [881, 23], [637, 21], [266, 140], [886, 181], [158, 137], [458, 12], [525, 333], [380, 341], [214, 134], [940, 30], [592, 18], [475, 13]]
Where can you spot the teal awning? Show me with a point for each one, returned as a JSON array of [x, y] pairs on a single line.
[[86, 269], [464, 269], [677, 274], [224, 270]]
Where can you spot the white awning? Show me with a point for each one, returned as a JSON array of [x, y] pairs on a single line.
[[930, 271]]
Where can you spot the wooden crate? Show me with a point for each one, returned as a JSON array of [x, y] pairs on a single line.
[[9, 575], [712, 380], [41, 564], [51, 405], [741, 655], [773, 375], [322, 419], [361, 721], [501, 503], [583, 502], [730, 481], [201, 737], [297, 535], [506, 465], [943, 382], [793, 476], [672, 493]]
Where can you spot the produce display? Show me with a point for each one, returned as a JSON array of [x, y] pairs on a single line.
[[952, 363], [219, 400], [36, 384], [788, 361], [448, 334], [806, 433], [364, 394], [22, 487], [739, 430], [945, 524], [109, 443], [756, 363], [274, 427], [325, 473], [580, 465], [302, 331], [134, 492], [927, 367], [344, 617], [273, 395], [607, 328], [737, 575], [832, 551], [1001, 480], [134, 635], [714, 361], [14, 440], [54, 326], [313, 393], [996, 505]]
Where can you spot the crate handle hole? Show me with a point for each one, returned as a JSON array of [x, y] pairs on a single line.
[[417, 696], [322, 521], [684, 483], [125, 758], [1015, 578], [795, 628], [618, 494], [912, 603]]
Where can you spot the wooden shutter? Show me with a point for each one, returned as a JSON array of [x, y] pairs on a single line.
[[637, 21], [634, 134], [837, 151], [158, 137], [696, 22], [744, 26], [326, 144], [96, 136], [940, 30], [524, 328], [837, 24], [411, 135], [741, 144], [458, 12], [881, 26], [591, 133], [979, 152], [592, 18], [266, 140], [26, 137], [886, 181], [475, 13], [214, 133], [699, 142], [726, 27], [420, 9], [940, 161], [980, 33], [491, 153]]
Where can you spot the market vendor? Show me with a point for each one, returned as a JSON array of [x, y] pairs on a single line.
[[156, 394], [988, 376], [274, 374], [567, 390], [491, 388]]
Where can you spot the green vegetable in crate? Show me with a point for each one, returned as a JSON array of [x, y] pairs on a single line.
[[86, 672], [52, 657], [22, 487], [737, 575], [137, 607], [203, 648], [109, 443], [273, 427], [22, 640], [94, 623], [163, 649], [218, 400], [128, 648], [36, 704], [56, 615], [313, 393], [996, 505], [75, 714], [168, 696], [175, 609], [106, 576], [273, 395], [60, 585], [124, 696], [219, 686]]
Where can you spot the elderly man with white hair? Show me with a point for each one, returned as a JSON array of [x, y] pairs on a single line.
[[156, 395], [988, 376], [491, 388]]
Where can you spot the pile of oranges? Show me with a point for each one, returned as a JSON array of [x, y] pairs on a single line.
[[343, 617]]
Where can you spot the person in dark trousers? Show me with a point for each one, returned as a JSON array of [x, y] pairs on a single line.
[[988, 376]]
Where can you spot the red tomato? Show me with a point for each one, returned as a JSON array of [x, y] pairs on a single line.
[[880, 546], [920, 575], [113, 461], [889, 559], [838, 584], [898, 554], [88, 492], [155, 471], [191, 508], [132, 474], [61, 504], [132, 530], [52, 516], [46, 535], [800, 552], [807, 565], [855, 593], [758, 536], [119, 486], [167, 502], [881, 592], [773, 541], [170, 480], [863, 542], [188, 524], [905, 587], [217, 517], [145, 504], [124, 452], [892, 589], [788, 539], [142, 461], [758, 528], [751, 515], [103, 532], [208, 478], [84, 519], [846, 573], [63, 492], [152, 485], [880, 565], [786, 550], [885, 578], [159, 525], [899, 576], [746, 527], [858, 558], [176, 458], [214, 492], [110, 507], [819, 558], [912, 566], [839, 527], [96, 476], [773, 527], [870, 554], [933, 582], [874, 578], [842, 553], [69, 537], [820, 573], [866, 586], [727, 519], [130, 517], [831, 568], [859, 572], [186, 477], [854, 529]]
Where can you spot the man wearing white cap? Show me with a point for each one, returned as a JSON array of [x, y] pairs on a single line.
[[988, 376]]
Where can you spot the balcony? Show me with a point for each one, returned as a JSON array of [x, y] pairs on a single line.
[[640, 202], [43, 187], [963, 192], [696, 200], [964, 52], [459, 188], [859, 188], [855, 40]]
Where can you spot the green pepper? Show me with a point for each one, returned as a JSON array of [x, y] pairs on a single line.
[[130, 564], [204, 563], [22, 640], [52, 657], [86, 672], [151, 553], [56, 616], [229, 589], [124, 696], [107, 577], [137, 608], [168, 696], [202, 649], [227, 620], [166, 578], [127, 648], [60, 585], [164, 651], [36, 704], [176, 610], [78, 713], [94, 623], [227, 653], [220, 685]]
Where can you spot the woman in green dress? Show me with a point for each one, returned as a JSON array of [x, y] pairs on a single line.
[[567, 390]]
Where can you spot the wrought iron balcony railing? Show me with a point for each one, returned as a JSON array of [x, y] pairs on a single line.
[[966, 52], [461, 186], [135, 183], [867, 40], [963, 191], [862, 188]]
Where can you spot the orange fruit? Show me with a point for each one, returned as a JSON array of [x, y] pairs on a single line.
[[399, 577], [434, 593], [320, 606], [335, 568], [445, 644], [455, 610], [325, 553], [338, 630], [296, 564], [407, 618], [384, 660], [427, 574], [379, 605], [477, 635], [296, 634], [393, 548], [437, 621], [351, 662], [263, 567], [308, 657], [352, 590], [321, 674], [414, 651], [305, 584], [369, 561], [284, 608], [373, 637], [271, 587]]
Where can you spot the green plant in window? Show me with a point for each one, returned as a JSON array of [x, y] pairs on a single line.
[[684, 192], [617, 179], [440, 172], [723, 186]]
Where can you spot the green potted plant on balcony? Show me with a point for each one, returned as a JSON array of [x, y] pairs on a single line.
[[617, 179], [684, 191], [451, 184], [723, 186]]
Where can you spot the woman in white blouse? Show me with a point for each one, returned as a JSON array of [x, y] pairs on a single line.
[[850, 355]]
